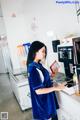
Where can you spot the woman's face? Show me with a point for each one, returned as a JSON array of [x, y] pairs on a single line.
[[40, 55]]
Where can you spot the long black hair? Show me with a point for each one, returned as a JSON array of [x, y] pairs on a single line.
[[35, 47]]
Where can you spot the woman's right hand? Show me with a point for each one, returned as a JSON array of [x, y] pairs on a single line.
[[60, 87]]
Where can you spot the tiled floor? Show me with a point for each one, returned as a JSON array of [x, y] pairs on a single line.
[[8, 102]]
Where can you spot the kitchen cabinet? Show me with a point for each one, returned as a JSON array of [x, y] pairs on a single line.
[[69, 106]]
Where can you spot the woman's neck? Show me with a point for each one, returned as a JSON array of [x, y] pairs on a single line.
[[36, 60]]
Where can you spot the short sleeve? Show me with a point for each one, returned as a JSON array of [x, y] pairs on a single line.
[[35, 80]]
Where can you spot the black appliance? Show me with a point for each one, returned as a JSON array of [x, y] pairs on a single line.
[[65, 55], [76, 50], [55, 43]]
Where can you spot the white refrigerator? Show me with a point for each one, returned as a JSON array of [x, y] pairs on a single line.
[[5, 62]]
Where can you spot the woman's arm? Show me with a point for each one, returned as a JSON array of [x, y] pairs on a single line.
[[50, 89]]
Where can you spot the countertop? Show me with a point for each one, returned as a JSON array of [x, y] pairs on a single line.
[[70, 91]]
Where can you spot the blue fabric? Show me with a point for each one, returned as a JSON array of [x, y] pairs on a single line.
[[43, 105]]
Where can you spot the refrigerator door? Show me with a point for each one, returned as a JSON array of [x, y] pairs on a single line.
[[2, 64], [5, 61]]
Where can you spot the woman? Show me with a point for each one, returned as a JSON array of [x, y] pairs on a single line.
[[44, 102]]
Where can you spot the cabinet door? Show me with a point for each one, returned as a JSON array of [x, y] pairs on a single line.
[[70, 104], [63, 115]]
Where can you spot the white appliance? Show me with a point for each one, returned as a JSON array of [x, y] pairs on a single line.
[[21, 90], [5, 62], [2, 64]]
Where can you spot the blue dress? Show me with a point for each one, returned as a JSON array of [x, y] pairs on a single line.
[[43, 105]]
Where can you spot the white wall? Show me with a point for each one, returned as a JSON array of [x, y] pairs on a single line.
[[34, 19], [15, 26], [58, 18], [48, 16]]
